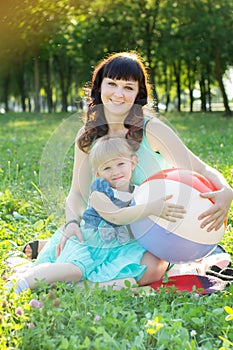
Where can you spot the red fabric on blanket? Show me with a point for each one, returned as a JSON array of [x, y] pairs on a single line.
[[191, 283]]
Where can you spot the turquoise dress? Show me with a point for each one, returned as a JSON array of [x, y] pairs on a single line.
[[105, 256], [149, 162]]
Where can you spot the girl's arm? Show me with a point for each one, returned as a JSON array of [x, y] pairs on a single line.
[[163, 138], [123, 216]]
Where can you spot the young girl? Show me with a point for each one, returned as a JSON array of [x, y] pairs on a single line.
[[109, 252]]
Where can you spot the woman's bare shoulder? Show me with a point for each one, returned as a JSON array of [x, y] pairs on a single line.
[[155, 123]]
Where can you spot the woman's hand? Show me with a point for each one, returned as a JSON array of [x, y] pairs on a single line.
[[216, 215], [72, 230], [166, 210]]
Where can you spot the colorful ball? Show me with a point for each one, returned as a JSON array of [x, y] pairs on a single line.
[[183, 240]]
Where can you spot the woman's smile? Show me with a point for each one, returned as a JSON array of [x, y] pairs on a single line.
[[118, 96], [116, 102]]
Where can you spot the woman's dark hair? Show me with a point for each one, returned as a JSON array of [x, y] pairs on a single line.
[[125, 66]]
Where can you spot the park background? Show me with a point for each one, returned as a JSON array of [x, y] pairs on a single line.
[[48, 50]]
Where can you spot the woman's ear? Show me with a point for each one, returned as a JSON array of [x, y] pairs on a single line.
[[134, 161]]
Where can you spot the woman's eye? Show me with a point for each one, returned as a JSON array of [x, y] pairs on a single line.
[[111, 83], [129, 88], [106, 169], [120, 164]]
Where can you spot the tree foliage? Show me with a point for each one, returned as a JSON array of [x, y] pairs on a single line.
[[48, 49]]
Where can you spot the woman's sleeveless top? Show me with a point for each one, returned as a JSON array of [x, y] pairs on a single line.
[[149, 162]]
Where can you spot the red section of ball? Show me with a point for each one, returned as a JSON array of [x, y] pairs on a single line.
[[188, 177]]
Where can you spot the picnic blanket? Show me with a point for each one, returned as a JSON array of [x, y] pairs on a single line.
[[191, 283], [206, 276]]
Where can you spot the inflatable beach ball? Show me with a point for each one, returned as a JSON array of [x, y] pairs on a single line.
[[183, 240]]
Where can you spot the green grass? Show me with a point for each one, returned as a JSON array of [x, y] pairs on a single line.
[[72, 318]]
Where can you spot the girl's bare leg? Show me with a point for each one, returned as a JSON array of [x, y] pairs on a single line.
[[49, 273], [155, 269]]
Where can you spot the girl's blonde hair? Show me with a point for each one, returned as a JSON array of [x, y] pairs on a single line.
[[107, 148]]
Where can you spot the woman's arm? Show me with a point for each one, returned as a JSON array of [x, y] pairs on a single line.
[[77, 198], [123, 216], [164, 139]]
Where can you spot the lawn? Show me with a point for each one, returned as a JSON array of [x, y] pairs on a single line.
[[32, 191]]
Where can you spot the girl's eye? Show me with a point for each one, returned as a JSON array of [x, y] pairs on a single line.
[[120, 164], [106, 169], [111, 83]]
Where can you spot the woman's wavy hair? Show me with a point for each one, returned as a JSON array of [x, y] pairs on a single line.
[[125, 66]]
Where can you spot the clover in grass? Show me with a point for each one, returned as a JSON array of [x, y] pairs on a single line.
[[229, 310], [153, 326]]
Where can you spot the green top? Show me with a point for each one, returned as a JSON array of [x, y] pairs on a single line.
[[149, 162]]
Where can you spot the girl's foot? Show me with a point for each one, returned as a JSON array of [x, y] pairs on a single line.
[[33, 248], [17, 286]]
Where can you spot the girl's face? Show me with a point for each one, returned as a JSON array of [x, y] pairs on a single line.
[[117, 172], [118, 96]]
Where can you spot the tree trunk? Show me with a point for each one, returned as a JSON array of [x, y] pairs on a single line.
[[191, 100], [149, 25], [166, 86], [37, 84], [65, 83], [27, 77], [154, 91], [6, 83], [64, 101], [29, 105], [178, 84], [218, 73], [167, 102], [209, 99], [191, 84], [203, 94], [22, 89], [48, 87]]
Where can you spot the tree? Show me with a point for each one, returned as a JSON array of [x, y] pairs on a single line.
[[32, 26], [61, 42]]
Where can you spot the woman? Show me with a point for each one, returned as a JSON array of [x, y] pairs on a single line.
[[118, 94]]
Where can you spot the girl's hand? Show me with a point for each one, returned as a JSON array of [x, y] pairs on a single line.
[[216, 215], [72, 230], [167, 210]]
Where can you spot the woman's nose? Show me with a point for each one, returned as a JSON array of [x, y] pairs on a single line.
[[118, 91]]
